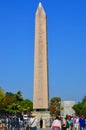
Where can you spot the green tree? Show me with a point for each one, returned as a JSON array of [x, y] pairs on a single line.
[[8, 99], [80, 107], [12, 108], [83, 110], [84, 99], [19, 96], [2, 95], [26, 105], [77, 108], [14, 103], [19, 107], [55, 104]]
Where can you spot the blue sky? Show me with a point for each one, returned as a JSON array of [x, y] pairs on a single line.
[[66, 23]]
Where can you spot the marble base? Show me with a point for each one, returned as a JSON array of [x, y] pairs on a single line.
[[46, 117]]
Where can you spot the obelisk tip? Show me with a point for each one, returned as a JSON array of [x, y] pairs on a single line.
[[40, 9], [40, 4]]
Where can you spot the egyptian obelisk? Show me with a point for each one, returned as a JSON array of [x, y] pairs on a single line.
[[41, 92]]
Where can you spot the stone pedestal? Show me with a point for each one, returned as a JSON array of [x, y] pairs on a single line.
[[45, 115]]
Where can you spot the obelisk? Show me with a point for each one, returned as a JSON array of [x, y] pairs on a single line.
[[41, 92]]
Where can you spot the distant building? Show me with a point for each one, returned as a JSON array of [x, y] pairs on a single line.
[[66, 107]]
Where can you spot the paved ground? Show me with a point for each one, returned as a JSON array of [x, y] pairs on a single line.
[[44, 129]]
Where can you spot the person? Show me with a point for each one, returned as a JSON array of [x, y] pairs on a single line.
[[63, 123], [1, 125], [33, 122], [17, 125], [21, 123], [56, 124], [82, 122], [76, 123], [41, 123]]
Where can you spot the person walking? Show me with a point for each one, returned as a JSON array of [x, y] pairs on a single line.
[[63, 123], [56, 124], [76, 123], [21, 123], [69, 122], [82, 122]]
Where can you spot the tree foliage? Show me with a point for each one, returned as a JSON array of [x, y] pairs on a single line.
[[55, 104], [14, 102], [2, 94], [84, 99], [19, 107], [8, 99], [19, 96], [80, 107]]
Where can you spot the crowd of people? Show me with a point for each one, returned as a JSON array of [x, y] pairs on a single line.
[[68, 123], [19, 123], [57, 123], [12, 123]]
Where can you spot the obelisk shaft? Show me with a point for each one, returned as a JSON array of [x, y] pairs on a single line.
[[41, 92]]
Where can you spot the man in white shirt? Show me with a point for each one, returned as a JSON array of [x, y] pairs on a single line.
[[33, 122], [76, 123]]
